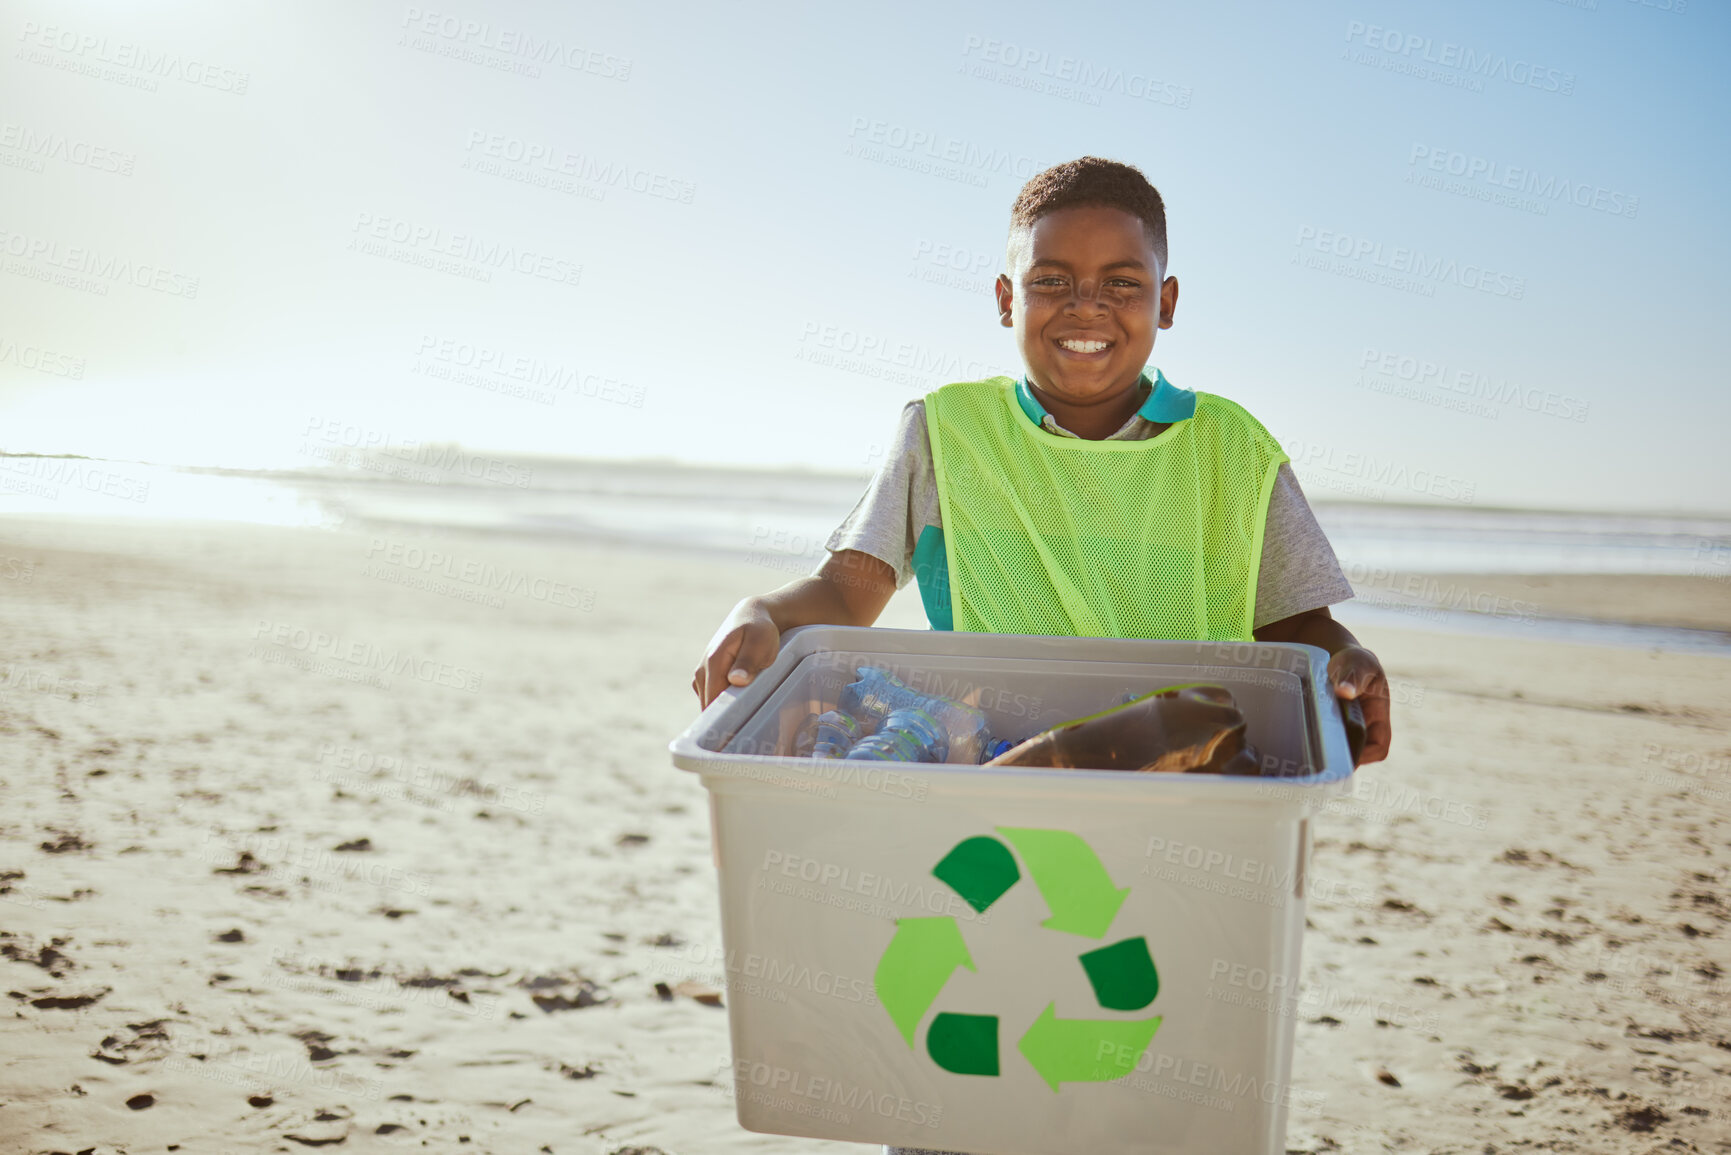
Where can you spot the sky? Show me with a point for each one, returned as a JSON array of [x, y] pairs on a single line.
[[1462, 253]]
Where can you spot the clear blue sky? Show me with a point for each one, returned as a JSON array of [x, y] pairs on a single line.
[[820, 206]]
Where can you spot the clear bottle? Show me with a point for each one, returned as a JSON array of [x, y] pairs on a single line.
[[834, 734], [878, 694], [907, 735]]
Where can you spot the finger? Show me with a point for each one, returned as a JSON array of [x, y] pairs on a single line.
[[1378, 731], [1356, 680], [717, 665], [757, 649]]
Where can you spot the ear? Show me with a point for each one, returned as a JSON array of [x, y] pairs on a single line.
[[1168, 301], [1006, 295]]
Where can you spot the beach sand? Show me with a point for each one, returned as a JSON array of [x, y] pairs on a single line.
[[1673, 600], [252, 902]]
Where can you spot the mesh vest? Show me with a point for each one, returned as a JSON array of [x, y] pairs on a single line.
[[1125, 539]]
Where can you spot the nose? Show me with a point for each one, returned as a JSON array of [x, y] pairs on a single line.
[[1085, 300]]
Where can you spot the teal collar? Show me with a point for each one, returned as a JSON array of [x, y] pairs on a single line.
[[1166, 405]]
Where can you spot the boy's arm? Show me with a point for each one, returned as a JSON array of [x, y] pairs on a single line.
[[1353, 670], [850, 589]]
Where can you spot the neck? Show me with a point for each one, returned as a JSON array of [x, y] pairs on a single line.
[[1094, 422]]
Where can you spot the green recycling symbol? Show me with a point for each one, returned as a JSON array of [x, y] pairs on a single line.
[[925, 952]]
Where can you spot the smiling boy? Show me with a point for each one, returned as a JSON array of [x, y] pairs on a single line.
[[1090, 498]]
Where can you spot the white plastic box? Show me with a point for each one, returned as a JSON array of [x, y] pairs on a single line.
[[829, 900]]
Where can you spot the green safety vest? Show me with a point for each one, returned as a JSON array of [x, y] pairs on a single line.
[[1159, 538]]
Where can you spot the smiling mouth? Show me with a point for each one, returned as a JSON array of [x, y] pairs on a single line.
[[1080, 345]]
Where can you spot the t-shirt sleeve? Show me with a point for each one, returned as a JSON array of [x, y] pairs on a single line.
[[1299, 571], [898, 504]]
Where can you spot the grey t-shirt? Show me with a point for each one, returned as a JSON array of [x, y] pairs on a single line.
[[1299, 571]]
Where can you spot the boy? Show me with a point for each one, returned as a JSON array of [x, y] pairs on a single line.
[[1092, 497]]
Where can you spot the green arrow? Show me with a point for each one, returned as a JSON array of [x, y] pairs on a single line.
[[1085, 1050], [980, 870], [1123, 975], [915, 967], [964, 1044], [1071, 880]]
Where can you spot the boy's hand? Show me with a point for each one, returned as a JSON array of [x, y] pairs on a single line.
[[747, 641], [1355, 673], [850, 589]]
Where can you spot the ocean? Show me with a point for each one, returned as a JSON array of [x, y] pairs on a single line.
[[780, 519]]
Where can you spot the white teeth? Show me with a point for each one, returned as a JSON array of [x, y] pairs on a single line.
[[1083, 346]]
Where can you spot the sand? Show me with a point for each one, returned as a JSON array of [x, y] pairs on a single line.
[[254, 903], [1673, 600]]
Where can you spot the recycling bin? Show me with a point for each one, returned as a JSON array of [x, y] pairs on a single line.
[[1005, 960]]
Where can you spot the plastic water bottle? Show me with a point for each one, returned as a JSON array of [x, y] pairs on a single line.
[[993, 749], [885, 746], [879, 693], [836, 733], [927, 732], [907, 735]]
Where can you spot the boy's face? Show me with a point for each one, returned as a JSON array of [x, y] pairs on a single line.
[[1085, 295]]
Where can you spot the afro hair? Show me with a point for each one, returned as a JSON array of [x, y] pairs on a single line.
[[1091, 181]]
